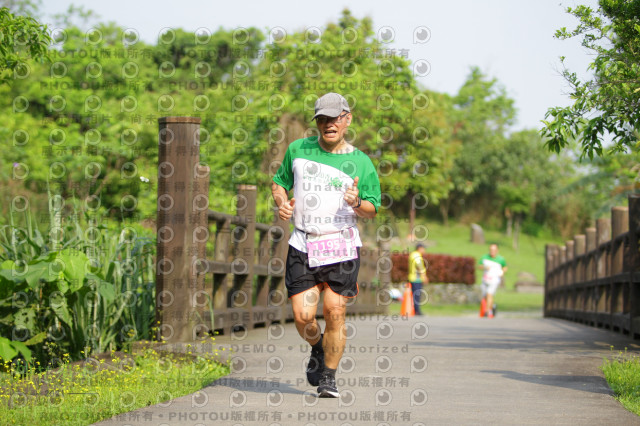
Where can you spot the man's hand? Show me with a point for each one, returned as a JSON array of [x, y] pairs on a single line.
[[286, 209], [351, 195]]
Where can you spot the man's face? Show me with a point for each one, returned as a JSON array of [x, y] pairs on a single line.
[[493, 250], [333, 129]]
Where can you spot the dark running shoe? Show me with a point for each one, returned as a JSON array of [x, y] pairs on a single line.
[[315, 367], [328, 388]]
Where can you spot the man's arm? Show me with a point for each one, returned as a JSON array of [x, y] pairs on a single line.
[[366, 209], [281, 197], [352, 197]]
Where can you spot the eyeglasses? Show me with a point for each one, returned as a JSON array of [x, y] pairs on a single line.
[[322, 119]]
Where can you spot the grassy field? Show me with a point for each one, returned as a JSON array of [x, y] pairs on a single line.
[[455, 240], [507, 301]]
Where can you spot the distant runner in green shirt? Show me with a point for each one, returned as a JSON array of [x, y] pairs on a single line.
[[494, 267]]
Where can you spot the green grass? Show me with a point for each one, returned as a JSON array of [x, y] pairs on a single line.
[[507, 301], [79, 395], [623, 376], [455, 240]]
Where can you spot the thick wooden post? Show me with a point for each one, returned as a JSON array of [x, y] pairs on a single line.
[[277, 265], [633, 264], [590, 246], [383, 270], [244, 259], [590, 269], [178, 246], [548, 265], [603, 234], [619, 225], [569, 259], [579, 245]]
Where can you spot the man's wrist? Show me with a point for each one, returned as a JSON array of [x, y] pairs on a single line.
[[358, 204]]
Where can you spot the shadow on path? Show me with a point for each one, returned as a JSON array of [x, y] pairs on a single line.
[[592, 384], [255, 385]]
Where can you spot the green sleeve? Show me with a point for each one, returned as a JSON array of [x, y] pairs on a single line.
[[369, 185], [284, 175]]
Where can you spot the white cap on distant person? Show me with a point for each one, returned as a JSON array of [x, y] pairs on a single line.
[[331, 105]]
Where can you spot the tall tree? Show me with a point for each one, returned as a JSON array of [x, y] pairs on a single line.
[[482, 112], [609, 102]]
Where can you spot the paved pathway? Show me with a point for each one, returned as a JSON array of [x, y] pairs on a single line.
[[414, 371]]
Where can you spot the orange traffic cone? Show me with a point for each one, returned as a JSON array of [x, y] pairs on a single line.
[[483, 307], [407, 309]]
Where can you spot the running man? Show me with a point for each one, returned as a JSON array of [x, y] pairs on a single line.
[[494, 267], [333, 183], [417, 275]]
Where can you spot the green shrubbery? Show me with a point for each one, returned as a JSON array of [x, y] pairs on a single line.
[[85, 287]]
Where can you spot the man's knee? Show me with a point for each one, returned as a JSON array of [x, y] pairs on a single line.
[[334, 314], [303, 317]]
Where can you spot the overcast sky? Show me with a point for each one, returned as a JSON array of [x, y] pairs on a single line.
[[509, 40]]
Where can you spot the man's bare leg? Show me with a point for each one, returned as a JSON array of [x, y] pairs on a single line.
[[304, 307], [335, 339]]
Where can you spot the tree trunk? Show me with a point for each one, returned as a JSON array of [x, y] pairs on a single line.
[[516, 231], [509, 216], [412, 219], [444, 211]]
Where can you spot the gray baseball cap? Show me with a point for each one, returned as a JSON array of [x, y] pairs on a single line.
[[331, 105]]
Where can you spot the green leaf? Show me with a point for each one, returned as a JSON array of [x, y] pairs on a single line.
[[23, 349], [58, 303], [38, 338], [74, 268], [39, 270], [106, 291], [7, 350], [26, 318]]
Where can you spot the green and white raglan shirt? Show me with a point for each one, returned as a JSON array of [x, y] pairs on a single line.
[[495, 265], [319, 180]]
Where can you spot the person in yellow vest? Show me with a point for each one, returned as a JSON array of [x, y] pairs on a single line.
[[417, 275]]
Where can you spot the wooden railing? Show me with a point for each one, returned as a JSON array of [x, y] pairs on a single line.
[[241, 282], [595, 278]]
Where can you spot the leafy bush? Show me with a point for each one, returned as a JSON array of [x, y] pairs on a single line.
[[441, 268], [84, 287]]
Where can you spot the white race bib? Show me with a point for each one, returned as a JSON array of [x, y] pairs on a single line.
[[331, 248]]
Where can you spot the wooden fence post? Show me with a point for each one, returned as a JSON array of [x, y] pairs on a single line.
[[277, 264], [579, 244], [242, 267], [590, 242], [633, 264], [619, 225], [177, 279], [603, 234], [384, 265], [590, 271], [548, 266]]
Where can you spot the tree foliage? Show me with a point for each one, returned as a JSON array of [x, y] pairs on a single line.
[[86, 123], [21, 38], [609, 102]]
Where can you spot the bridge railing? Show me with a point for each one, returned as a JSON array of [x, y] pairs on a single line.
[[595, 278], [239, 281]]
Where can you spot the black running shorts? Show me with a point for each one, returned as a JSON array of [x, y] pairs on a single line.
[[341, 277]]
